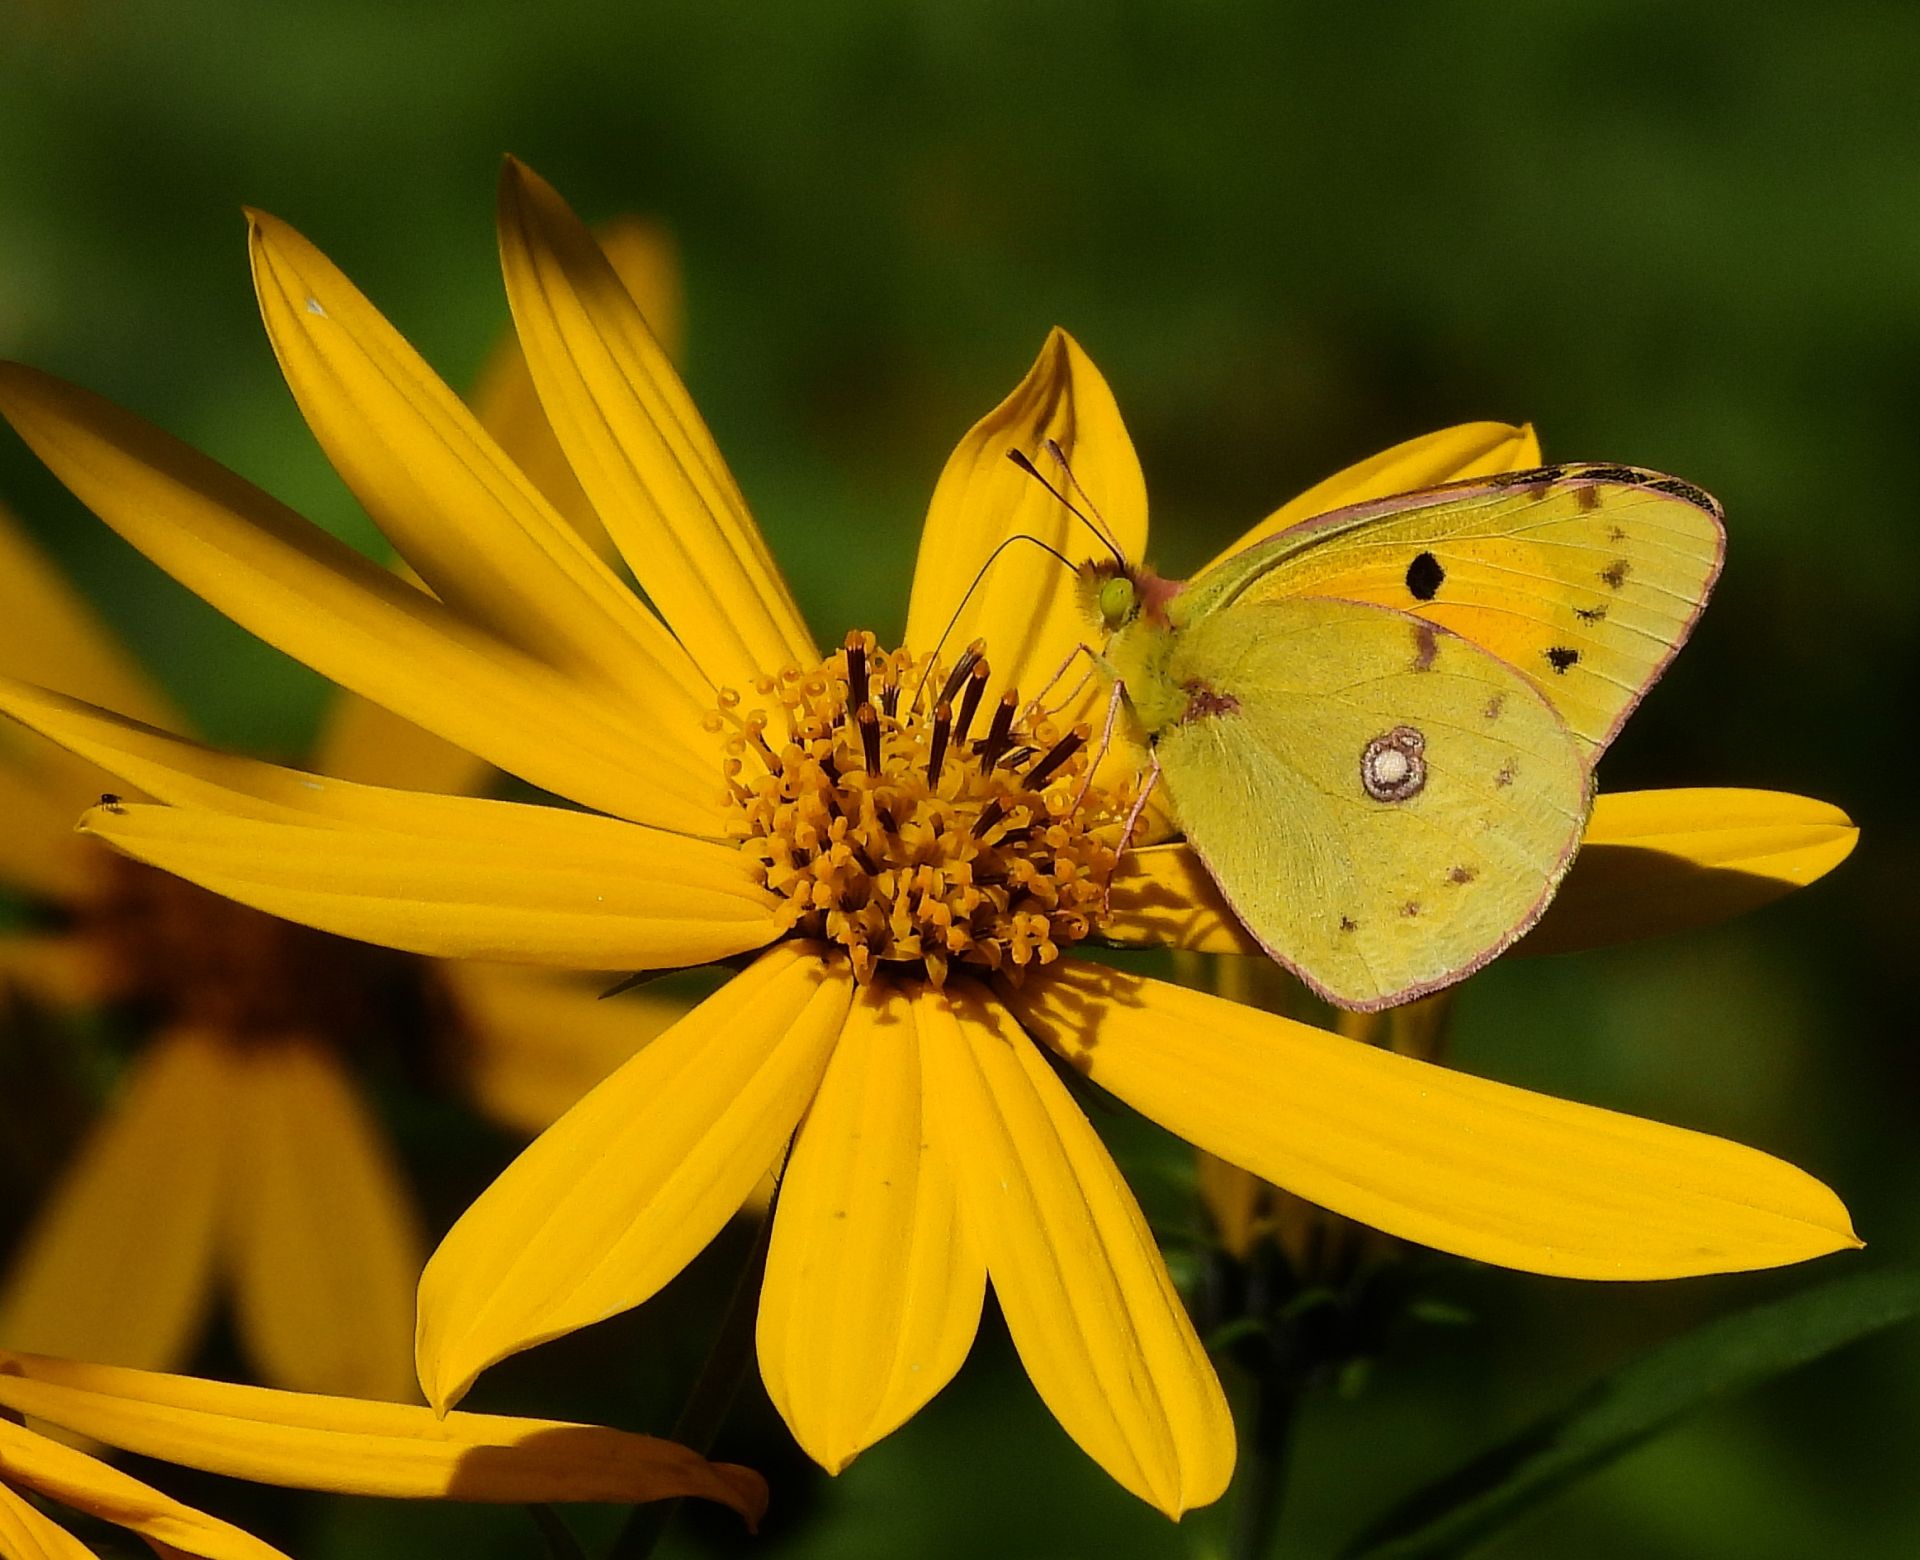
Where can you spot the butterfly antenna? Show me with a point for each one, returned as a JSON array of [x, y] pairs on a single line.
[[979, 575], [1099, 533], [1106, 531]]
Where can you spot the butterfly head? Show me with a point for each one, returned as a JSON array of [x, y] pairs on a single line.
[[1115, 595]]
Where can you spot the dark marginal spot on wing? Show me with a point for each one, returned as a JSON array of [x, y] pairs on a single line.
[[1461, 876], [1425, 577], [1589, 498], [1410, 909], [1562, 658], [1626, 475], [1615, 574], [1494, 706], [1700, 498], [1348, 924], [1507, 771], [1540, 476], [1616, 533], [1426, 646], [1590, 614]]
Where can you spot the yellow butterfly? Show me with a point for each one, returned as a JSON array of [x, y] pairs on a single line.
[[1377, 728]]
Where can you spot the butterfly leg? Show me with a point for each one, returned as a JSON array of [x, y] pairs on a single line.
[[1037, 702], [1133, 822], [1106, 742]]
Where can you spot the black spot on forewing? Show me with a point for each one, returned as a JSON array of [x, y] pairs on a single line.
[[1562, 658], [1590, 614], [1425, 577], [1615, 574]]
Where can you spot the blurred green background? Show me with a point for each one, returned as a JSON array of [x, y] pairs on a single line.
[[1682, 236]]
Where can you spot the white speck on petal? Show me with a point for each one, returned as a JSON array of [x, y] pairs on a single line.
[[314, 307]]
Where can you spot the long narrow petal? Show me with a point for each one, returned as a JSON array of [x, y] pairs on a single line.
[[119, 1264], [310, 1442], [477, 531], [326, 1246], [1026, 606], [1453, 454], [363, 741], [645, 258], [533, 1041], [322, 603], [1656, 862], [50, 633], [619, 1194], [646, 901], [638, 446], [873, 1291], [26, 1534], [1087, 1298], [1428, 1153], [86, 1484]]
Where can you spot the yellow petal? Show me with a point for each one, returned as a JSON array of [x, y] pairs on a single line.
[[477, 531], [363, 741], [325, 1245], [542, 895], [644, 257], [1235, 1200], [324, 604], [1087, 1298], [84, 1483], [873, 1291], [638, 446], [119, 1263], [1164, 897], [55, 968], [533, 1042], [1655, 862], [37, 852], [1026, 607], [619, 1194], [351, 1447], [1452, 455], [50, 633], [27, 1535], [1428, 1153]]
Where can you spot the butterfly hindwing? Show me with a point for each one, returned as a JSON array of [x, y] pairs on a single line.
[[1585, 579], [1385, 805]]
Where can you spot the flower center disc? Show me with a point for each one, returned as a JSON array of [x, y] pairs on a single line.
[[902, 822]]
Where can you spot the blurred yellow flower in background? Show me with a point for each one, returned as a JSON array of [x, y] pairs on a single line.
[[303, 1441], [239, 1152], [893, 849]]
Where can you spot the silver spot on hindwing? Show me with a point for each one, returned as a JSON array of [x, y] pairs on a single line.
[[1393, 766]]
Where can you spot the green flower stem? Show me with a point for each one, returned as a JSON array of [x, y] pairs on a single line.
[[706, 1410], [561, 1544], [1262, 1492]]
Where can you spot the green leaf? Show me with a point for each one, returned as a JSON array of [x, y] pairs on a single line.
[[1458, 1513]]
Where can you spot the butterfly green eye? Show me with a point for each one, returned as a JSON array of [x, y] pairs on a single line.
[[1117, 599]]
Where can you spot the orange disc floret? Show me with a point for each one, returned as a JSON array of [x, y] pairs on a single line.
[[900, 824]]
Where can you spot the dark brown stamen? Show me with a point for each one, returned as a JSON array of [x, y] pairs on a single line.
[[869, 724], [890, 700], [962, 669], [991, 814], [1000, 732], [937, 749], [976, 686], [856, 671], [1063, 750]]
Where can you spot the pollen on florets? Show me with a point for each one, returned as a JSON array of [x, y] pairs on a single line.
[[905, 819]]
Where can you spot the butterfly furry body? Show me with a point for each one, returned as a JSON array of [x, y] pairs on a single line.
[[1377, 728]]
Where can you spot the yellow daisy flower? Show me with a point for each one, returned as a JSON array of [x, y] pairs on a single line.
[[892, 849], [240, 1153], [303, 1442]]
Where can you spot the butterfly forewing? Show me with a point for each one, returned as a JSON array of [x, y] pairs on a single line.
[[1585, 579], [1385, 806]]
